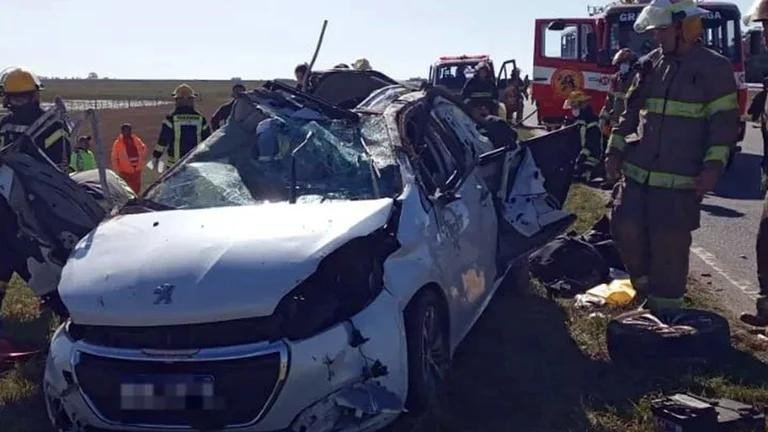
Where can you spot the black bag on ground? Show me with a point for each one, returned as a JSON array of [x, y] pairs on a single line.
[[691, 413], [569, 265], [683, 335], [599, 236]]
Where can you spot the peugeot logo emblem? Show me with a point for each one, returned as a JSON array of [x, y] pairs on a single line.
[[164, 294]]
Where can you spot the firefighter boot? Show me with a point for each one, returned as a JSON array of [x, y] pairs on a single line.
[[760, 318]]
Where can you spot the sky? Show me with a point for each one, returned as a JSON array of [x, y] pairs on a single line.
[[261, 39]]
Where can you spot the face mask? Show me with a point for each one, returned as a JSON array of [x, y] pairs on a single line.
[[623, 68], [576, 112], [25, 111]]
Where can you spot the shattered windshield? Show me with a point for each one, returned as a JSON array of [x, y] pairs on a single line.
[[295, 155]]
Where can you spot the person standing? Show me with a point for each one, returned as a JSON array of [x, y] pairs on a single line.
[[221, 115], [300, 72], [82, 158], [21, 95], [183, 129], [129, 154], [578, 105], [759, 13], [481, 88], [615, 102], [684, 107]]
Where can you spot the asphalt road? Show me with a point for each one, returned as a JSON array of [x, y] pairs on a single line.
[[723, 252]]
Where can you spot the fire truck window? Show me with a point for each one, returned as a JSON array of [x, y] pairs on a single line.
[[588, 44], [563, 43]]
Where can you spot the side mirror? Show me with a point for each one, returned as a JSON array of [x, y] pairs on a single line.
[[558, 25]]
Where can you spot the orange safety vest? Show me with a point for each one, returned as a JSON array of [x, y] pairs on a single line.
[[122, 162]]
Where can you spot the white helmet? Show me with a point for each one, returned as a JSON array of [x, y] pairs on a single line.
[[663, 13]]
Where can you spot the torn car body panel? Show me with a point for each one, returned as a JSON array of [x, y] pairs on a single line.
[[301, 230]]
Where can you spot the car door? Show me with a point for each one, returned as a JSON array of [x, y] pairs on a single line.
[[469, 217]]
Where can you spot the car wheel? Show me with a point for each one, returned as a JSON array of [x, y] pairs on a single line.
[[426, 327], [685, 335]]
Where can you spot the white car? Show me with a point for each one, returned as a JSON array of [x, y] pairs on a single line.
[[307, 268]]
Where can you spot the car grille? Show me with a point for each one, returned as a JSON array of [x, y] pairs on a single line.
[[242, 388], [178, 337]]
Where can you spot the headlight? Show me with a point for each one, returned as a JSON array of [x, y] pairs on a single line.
[[345, 282]]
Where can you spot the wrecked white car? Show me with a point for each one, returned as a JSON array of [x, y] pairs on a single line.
[[307, 268]]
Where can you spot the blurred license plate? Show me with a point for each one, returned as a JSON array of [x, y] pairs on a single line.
[[168, 392]]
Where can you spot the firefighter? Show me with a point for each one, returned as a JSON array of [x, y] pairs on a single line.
[[300, 72], [498, 131], [21, 95], [481, 88], [578, 104], [684, 107], [759, 13], [625, 60], [183, 129]]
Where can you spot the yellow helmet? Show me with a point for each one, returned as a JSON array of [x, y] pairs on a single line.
[[660, 14], [362, 64], [576, 99], [184, 91], [19, 80]]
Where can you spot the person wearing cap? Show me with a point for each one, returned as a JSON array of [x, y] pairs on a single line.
[[129, 154], [580, 113], [21, 95], [625, 61], [759, 14], [221, 115], [82, 158], [684, 108], [183, 129], [482, 88]]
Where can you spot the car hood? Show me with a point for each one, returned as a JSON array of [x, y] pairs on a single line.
[[218, 264]]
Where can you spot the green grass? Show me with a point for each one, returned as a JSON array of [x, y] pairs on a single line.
[[135, 89]]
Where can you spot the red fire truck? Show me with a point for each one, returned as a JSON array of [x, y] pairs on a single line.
[[575, 53]]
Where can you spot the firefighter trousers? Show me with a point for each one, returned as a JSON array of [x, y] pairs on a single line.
[[652, 230], [762, 251]]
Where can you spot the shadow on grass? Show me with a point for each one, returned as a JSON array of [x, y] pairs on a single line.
[[523, 368]]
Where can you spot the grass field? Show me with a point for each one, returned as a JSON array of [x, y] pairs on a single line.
[[531, 364], [135, 89]]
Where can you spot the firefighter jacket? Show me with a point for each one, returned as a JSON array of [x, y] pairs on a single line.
[[615, 101], [591, 137], [54, 140], [182, 131], [685, 111]]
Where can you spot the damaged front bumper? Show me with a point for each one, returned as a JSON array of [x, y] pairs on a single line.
[[352, 377]]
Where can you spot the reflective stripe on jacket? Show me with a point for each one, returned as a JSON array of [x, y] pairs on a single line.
[[125, 161], [54, 140], [181, 132], [615, 101], [685, 110]]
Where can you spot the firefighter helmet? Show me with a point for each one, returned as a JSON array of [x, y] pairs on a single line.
[[625, 55], [757, 13], [576, 99], [19, 80], [664, 13], [184, 91]]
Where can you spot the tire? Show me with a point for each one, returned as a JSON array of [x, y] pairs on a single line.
[[686, 336], [426, 327]]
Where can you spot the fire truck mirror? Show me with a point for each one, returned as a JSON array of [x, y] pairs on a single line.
[[558, 25]]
